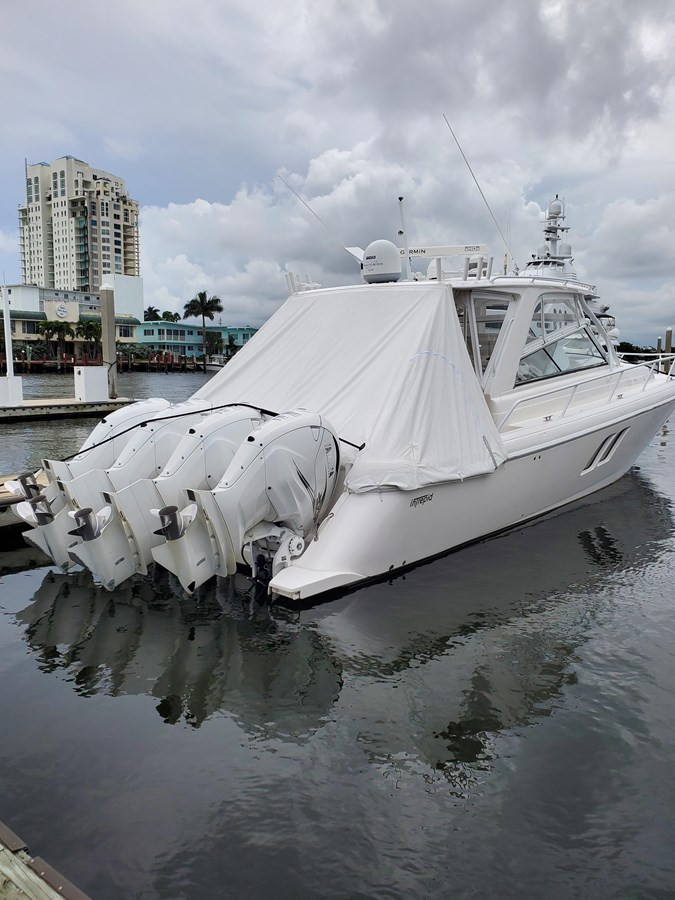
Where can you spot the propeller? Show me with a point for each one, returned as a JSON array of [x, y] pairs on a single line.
[[23, 486], [36, 510], [174, 523], [90, 524]]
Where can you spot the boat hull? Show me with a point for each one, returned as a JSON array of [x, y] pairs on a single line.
[[372, 534]]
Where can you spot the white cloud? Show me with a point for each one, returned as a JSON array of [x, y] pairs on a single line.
[[345, 100], [642, 314], [635, 240]]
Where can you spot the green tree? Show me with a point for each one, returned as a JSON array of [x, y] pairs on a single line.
[[170, 316], [206, 307], [91, 333], [47, 331], [231, 346], [58, 331], [39, 350], [214, 343], [151, 314]]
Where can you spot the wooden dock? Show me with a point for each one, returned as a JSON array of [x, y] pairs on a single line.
[[26, 877], [126, 362], [68, 408]]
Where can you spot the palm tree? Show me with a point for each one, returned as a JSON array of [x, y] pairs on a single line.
[[231, 346], [47, 330], [170, 316], [91, 332], [60, 331], [204, 306], [151, 314]]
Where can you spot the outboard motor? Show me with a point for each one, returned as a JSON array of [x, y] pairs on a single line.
[[269, 502], [121, 544], [107, 440], [142, 448]]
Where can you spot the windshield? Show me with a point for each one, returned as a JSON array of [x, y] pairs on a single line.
[[568, 354]]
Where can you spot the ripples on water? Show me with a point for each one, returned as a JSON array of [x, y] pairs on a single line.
[[497, 723]]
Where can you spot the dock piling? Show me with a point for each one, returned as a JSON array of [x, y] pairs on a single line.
[[108, 337], [669, 349]]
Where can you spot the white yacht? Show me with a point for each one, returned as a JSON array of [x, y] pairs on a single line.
[[363, 430]]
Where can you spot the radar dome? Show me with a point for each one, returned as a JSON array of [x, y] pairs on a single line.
[[555, 208], [381, 262], [565, 251], [543, 251]]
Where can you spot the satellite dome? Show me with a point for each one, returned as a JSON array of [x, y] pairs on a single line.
[[565, 251], [381, 262], [543, 251], [555, 208]]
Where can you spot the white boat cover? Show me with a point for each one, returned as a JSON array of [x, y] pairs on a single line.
[[387, 366]]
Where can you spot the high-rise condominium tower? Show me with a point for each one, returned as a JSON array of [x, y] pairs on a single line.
[[78, 224]]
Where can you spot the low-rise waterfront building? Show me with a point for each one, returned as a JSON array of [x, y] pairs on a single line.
[[60, 304], [26, 330], [180, 339], [184, 338]]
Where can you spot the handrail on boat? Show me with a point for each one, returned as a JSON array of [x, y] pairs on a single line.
[[663, 364], [658, 357]]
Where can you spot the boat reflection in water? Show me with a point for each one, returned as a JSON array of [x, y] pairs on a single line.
[[481, 641], [197, 657]]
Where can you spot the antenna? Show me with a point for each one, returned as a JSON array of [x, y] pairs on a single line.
[[404, 235], [481, 192], [506, 258], [356, 252]]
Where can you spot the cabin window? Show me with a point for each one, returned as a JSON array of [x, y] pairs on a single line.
[[462, 307], [490, 312], [481, 317], [570, 353], [552, 313]]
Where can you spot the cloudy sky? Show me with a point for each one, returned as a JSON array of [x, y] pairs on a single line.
[[201, 105]]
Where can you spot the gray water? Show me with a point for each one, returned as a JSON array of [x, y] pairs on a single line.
[[496, 724], [23, 445]]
